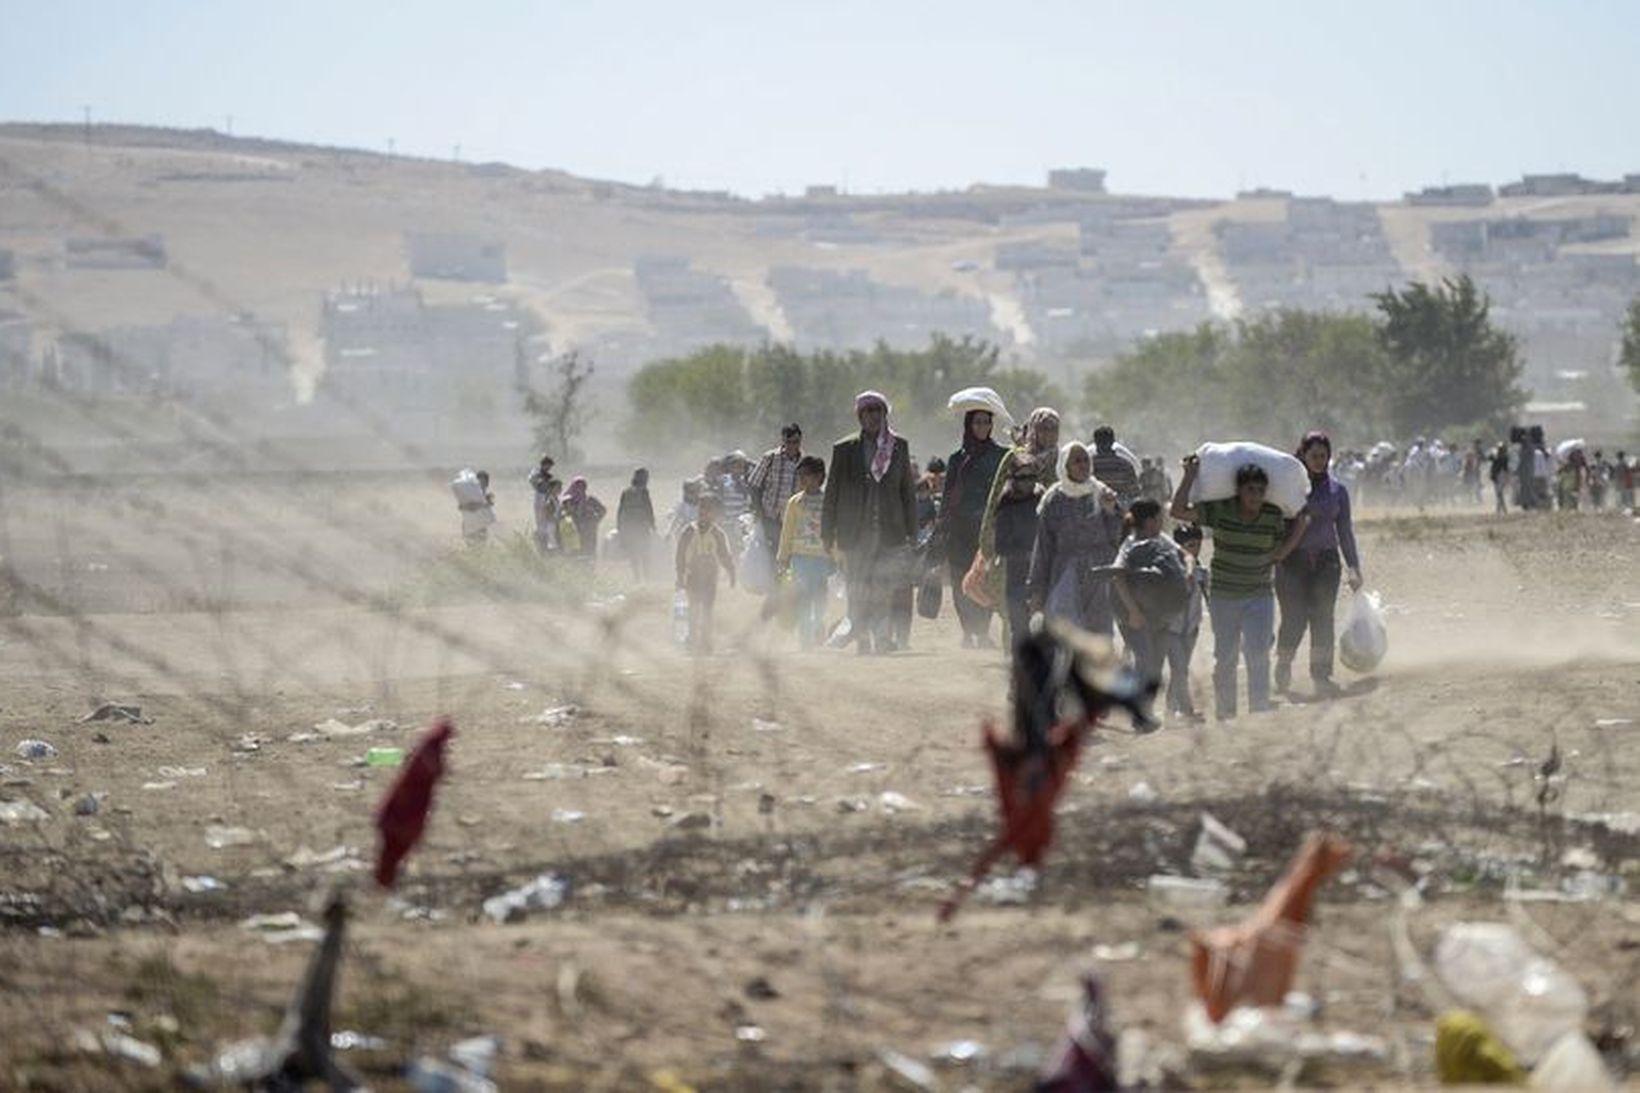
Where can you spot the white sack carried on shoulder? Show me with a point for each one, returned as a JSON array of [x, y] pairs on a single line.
[[981, 398], [1216, 478], [468, 489], [1565, 448]]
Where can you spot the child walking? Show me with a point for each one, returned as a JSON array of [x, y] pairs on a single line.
[[702, 548], [802, 551], [1152, 584], [1186, 627]]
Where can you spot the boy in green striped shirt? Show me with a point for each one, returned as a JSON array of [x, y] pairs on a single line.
[[1250, 536]]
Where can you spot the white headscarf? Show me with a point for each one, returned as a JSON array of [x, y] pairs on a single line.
[[1065, 486]]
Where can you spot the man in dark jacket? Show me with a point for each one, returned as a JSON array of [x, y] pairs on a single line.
[[870, 516]]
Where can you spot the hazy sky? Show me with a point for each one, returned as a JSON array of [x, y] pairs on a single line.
[[1188, 98]]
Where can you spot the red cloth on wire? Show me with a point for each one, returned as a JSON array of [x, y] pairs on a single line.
[[402, 816]]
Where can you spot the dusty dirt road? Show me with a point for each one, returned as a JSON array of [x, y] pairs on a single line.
[[758, 841]]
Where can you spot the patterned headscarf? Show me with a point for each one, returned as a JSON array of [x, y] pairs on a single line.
[[1040, 416], [577, 490], [880, 458]]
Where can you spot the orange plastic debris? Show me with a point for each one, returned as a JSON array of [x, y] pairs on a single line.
[[1253, 963]]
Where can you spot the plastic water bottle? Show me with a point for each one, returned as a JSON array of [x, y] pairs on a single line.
[[680, 617], [1529, 1000]]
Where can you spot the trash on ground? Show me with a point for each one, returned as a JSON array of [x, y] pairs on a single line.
[[1084, 1058], [282, 927], [1143, 793], [1572, 1065], [334, 729], [1218, 849], [1253, 963], [118, 1045], [892, 802], [960, 1052], [202, 883], [567, 816], [1008, 890], [1467, 1052], [249, 742], [1612, 722], [220, 837], [1271, 1040], [114, 711], [917, 1073], [1186, 892], [750, 1034], [1117, 954], [553, 717], [338, 859], [690, 821], [759, 988], [35, 749], [864, 768], [760, 725], [1527, 998], [181, 772], [349, 1040], [846, 805], [13, 813], [545, 893], [158, 786], [88, 804]]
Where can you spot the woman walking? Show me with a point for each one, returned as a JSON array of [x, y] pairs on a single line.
[[1307, 581], [1079, 528], [586, 512], [968, 477], [1023, 476], [635, 525]]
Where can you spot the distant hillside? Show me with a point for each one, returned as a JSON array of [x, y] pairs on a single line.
[[137, 229]]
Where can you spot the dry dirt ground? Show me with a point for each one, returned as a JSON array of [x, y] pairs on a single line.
[[804, 906]]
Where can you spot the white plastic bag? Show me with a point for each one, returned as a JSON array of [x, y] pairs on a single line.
[[467, 488], [982, 398], [1528, 999], [1364, 640], [1216, 477]]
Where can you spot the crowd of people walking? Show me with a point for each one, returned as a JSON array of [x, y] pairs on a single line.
[[1019, 523]]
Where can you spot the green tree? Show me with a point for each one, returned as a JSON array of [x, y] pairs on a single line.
[[1630, 356], [1447, 364], [560, 413]]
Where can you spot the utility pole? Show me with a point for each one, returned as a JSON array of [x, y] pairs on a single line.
[[87, 110]]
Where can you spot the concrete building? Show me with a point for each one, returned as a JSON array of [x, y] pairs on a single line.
[[456, 257], [691, 308], [1082, 180], [842, 310]]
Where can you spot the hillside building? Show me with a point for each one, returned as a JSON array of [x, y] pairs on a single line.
[[456, 257]]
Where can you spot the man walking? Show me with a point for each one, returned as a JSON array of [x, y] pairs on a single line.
[[870, 516], [774, 481]]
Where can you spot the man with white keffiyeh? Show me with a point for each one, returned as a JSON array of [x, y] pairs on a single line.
[[869, 518]]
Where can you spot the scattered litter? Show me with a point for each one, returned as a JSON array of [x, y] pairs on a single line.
[[113, 711], [845, 805], [691, 821], [661, 811], [159, 785], [1218, 849], [544, 893], [476, 1055], [1527, 998], [1143, 793], [35, 749], [1008, 890], [1114, 762], [1613, 722], [864, 768], [892, 802], [181, 772], [1572, 1064], [218, 837], [88, 804], [553, 717], [1117, 954], [567, 816], [1467, 1052], [1580, 857], [907, 1069], [620, 741], [750, 1034], [759, 725], [117, 1044], [966, 791], [1085, 1056], [13, 813], [1254, 962], [202, 884], [282, 928], [428, 1075], [1186, 892], [1272, 1041], [249, 742], [961, 1052], [348, 787], [514, 686], [337, 859], [348, 1040], [384, 757], [761, 989]]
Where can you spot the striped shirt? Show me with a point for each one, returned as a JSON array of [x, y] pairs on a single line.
[[775, 479], [1242, 548]]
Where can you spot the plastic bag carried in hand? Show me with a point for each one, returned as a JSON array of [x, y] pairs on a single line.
[[1289, 487], [1527, 998], [1363, 642]]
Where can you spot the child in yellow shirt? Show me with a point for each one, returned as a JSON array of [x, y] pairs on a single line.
[[802, 552]]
